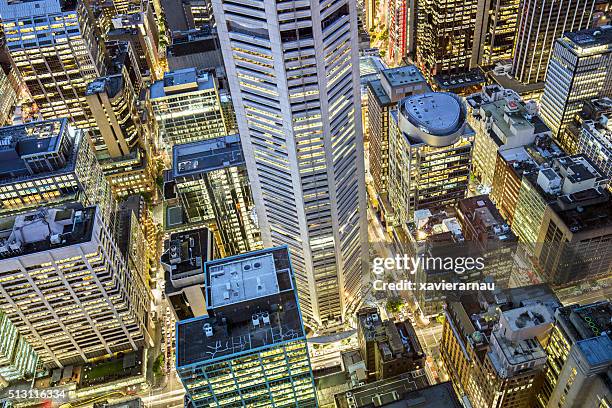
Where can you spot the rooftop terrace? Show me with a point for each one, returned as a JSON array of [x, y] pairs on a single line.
[[182, 81]]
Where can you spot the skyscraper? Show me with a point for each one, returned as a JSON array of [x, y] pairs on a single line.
[[212, 185], [49, 162], [120, 137], [18, 359], [430, 148], [541, 22], [186, 107], [445, 36], [294, 80], [579, 70], [496, 22], [67, 288], [250, 349], [579, 360], [54, 46]]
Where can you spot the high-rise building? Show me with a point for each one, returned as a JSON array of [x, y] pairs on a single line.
[[445, 36], [562, 219], [119, 137], [197, 49], [141, 30], [383, 96], [18, 360], [186, 107], [540, 23], [430, 149], [198, 13], [493, 344], [250, 349], [183, 262], [398, 13], [295, 87], [212, 184], [579, 360], [8, 92], [54, 46], [502, 121], [596, 143], [496, 23], [592, 110], [579, 70], [389, 349], [67, 288], [49, 162]]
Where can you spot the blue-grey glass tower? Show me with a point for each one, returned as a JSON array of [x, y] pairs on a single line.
[[250, 349]]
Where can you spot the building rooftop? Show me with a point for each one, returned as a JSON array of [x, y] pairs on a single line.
[[184, 258], [401, 76], [435, 396], [584, 322], [597, 350], [207, 155], [21, 147], [460, 80], [370, 67], [379, 92], [586, 41], [182, 81], [111, 85], [252, 304], [193, 41], [384, 392], [437, 118], [45, 230], [485, 219]]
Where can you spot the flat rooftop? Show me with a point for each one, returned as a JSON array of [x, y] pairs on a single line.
[[207, 155], [379, 92], [45, 230], [435, 396], [185, 255], [182, 81], [111, 84], [586, 40], [384, 392], [253, 308], [19, 142], [400, 76], [459, 80]]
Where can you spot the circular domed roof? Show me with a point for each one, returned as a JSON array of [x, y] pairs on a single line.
[[437, 118]]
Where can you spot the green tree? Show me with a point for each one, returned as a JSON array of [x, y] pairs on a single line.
[[158, 364], [395, 304]]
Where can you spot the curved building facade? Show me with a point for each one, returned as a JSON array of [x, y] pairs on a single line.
[[430, 151]]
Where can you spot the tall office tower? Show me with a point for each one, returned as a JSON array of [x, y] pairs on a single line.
[[295, 87], [183, 261], [430, 149], [398, 12], [445, 36], [186, 107], [213, 187], [596, 143], [579, 361], [540, 23], [119, 137], [18, 360], [579, 70], [250, 350], [492, 344], [8, 92], [562, 219], [137, 236], [49, 162], [496, 23], [141, 30], [383, 96], [198, 13], [502, 121], [54, 46], [66, 287]]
